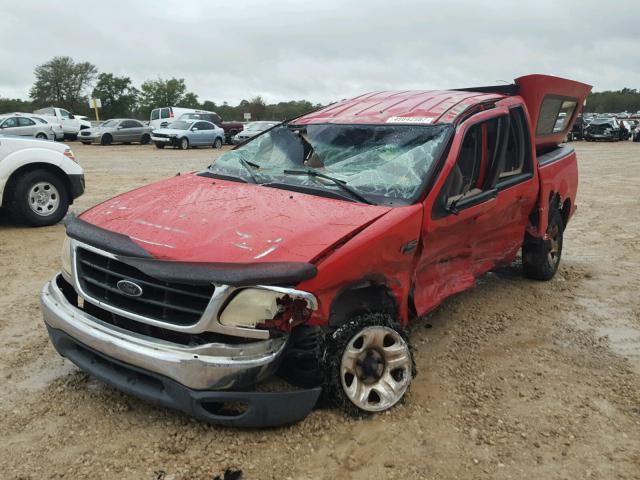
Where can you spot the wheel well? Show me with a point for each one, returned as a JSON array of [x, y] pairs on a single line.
[[359, 299], [555, 202], [565, 211], [10, 185]]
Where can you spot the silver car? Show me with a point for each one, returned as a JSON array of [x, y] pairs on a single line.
[[184, 134], [251, 130], [124, 130], [25, 127]]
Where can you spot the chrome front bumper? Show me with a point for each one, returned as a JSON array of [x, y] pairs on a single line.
[[214, 366]]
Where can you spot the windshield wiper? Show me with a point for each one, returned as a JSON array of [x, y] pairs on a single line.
[[340, 183], [249, 166]]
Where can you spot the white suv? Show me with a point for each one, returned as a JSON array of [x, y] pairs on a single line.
[[38, 180]]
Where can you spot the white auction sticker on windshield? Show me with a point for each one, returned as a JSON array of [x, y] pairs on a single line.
[[410, 120]]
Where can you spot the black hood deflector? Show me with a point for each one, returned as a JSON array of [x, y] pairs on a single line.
[[193, 273]]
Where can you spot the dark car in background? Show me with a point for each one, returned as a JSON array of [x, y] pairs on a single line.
[[602, 129]]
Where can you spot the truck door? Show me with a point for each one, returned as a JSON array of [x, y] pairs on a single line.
[[460, 221], [69, 124]]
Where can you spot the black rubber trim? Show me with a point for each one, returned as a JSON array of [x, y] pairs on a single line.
[[262, 409], [513, 180], [236, 274], [77, 185], [555, 155], [194, 273], [113, 242]]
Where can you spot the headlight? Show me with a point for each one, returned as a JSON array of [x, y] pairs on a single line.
[[66, 256], [254, 306]]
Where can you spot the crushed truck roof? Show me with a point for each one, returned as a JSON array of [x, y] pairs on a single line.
[[405, 106]]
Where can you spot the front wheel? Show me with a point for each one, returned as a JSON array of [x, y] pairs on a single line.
[[217, 143], [146, 138], [39, 198], [159, 145], [184, 143], [541, 258], [369, 364], [106, 139]]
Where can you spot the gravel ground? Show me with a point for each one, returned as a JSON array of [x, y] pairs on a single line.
[[517, 379]]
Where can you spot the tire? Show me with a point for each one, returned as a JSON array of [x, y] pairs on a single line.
[[42, 136], [541, 258], [217, 143], [184, 143], [146, 138], [86, 143], [39, 198], [359, 378], [159, 145], [106, 139]]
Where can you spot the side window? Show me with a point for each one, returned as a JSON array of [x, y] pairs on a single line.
[[478, 151], [200, 125], [135, 124], [64, 113], [155, 114], [165, 113], [25, 122], [41, 120], [10, 123], [517, 159], [128, 124]]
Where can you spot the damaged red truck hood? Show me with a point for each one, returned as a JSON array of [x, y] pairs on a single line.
[[200, 219]]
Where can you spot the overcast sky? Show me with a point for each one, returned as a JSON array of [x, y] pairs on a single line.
[[324, 50]]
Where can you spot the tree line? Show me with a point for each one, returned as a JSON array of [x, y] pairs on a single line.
[[625, 100], [62, 82]]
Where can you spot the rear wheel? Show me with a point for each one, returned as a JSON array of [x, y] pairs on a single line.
[[541, 258], [159, 145], [217, 143], [42, 136], [369, 364], [146, 138], [86, 143], [39, 198], [106, 139], [184, 143]]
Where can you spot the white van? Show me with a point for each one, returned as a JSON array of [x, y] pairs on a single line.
[[161, 117]]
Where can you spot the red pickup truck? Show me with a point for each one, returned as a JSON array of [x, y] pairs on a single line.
[[307, 251]]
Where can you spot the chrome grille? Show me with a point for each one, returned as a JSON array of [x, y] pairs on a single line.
[[172, 303]]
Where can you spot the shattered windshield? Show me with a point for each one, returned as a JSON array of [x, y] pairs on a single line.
[[372, 163]]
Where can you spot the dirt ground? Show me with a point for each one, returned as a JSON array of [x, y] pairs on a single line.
[[516, 379]]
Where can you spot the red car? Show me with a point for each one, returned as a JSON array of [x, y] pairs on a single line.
[[307, 251]]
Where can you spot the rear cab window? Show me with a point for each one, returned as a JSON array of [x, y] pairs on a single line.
[[555, 114], [155, 114], [165, 112]]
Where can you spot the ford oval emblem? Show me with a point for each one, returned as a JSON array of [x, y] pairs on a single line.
[[129, 288]]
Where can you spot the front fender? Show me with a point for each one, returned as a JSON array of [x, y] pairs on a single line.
[[383, 253], [20, 158]]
